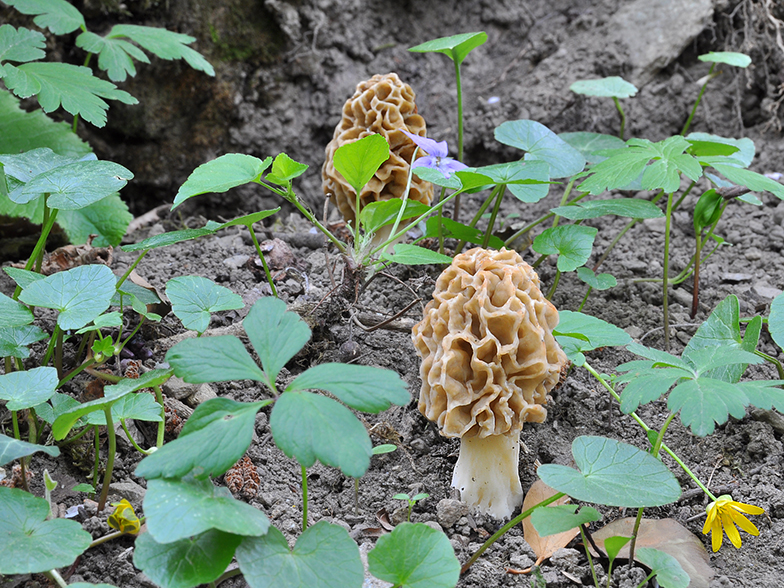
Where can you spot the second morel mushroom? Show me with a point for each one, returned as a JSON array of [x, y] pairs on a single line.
[[489, 359]]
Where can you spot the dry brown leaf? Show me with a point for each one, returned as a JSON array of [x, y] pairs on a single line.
[[162, 308], [666, 535], [544, 547]]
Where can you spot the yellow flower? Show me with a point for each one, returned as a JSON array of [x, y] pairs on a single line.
[[727, 513], [124, 518]]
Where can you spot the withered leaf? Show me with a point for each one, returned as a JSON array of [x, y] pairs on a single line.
[[544, 547]]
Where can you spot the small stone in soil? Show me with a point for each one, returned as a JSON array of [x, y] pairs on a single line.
[[736, 277]]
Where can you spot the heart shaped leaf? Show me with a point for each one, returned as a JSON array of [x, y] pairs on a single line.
[[11, 449], [572, 243], [14, 341], [140, 407], [285, 169], [611, 87], [358, 161], [553, 520], [77, 185], [180, 508], [596, 281], [13, 313], [29, 388], [415, 556], [323, 557], [728, 57], [221, 174], [456, 47], [577, 332], [194, 299], [590, 145], [540, 143], [614, 474]]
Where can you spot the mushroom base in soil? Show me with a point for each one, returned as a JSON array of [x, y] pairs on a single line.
[[486, 473]]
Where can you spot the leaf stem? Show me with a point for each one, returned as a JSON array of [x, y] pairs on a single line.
[[131, 439], [162, 424], [588, 554], [697, 102], [107, 478], [304, 499], [477, 216], [623, 118], [493, 216], [666, 272], [635, 532], [40, 245], [131, 268], [56, 578], [772, 360], [263, 259], [404, 198], [456, 214], [74, 372]]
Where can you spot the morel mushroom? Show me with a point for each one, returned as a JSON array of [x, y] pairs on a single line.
[[488, 361], [384, 105]]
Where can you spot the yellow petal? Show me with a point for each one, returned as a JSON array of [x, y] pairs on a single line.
[[717, 537], [743, 522], [747, 508], [729, 528]]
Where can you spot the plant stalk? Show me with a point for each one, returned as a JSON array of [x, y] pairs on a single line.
[[263, 260], [697, 102], [107, 478], [456, 213], [304, 499]]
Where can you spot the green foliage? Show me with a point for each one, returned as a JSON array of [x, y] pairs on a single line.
[[384, 212], [776, 320], [456, 230], [456, 47], [166, 239], [221, 174], [14, 340], [591, 145], [613, 473], [406, 254], [359, 160], [572, 243], [611, 87], [13, 313], [561, 518], [540, 143], [58, 16], [668, 570], [728, 57], [630, 207], [285, 169], [528, 181], [194, 299], [29, 388], [31, 544], [11, 449], [596, 281], [577, 332], [323, 557]]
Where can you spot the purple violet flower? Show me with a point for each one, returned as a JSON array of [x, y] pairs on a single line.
[[436, 157]]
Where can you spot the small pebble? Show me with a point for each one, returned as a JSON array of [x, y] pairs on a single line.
[[736, 277], [449, 511]]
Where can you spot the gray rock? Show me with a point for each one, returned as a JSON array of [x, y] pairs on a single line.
[[657, 31], [202, 394], [736, 277], [370, 581], [655, 225], [634, 331], [131, 491], [236, 261], [449, 511], [765, 290], [179, 389], [752, 254]]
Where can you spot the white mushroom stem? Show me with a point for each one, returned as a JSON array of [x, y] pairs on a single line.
[[487, 476]]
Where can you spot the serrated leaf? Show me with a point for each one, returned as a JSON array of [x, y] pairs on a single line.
[[28, 388], [589, 144], [21, 44], [186, 563], [705, 401], [166, 239], [58, 16], [73, 87], [454, 229], [14, 340], [139, 407], [611, 87], [80, 294], [728, 57], [647, 385], [406, 254], [415, 556], [752, 180], [613, 473], [31, 544], [323, 557], [628, 207], [572, 243], [180, 508], [553, 520], [11, 449], [669, 572], [540, 143], [362, 387], [597, 282], [213, 359], [221, 174], [764, 394], [456, 47], [212, 440], [593, 332], [194, 299], [384, 212], [13, 313], [309, 426], [164, 44], [78, 184], [359, 160], [276, 334], [285, 169], [115, 56], [776, 320]]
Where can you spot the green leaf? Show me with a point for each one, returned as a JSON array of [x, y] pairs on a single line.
[[362, 387], [707, 210], [21, 44], [213, 359], [540, 143], [623, 166], [384, 448], [31, 544], [285, 169], [577, 332], [149, 379], [178, 509], [213, 439], [705, 401], [746, 149], [249, 219], [776, 320], [406, 254], [358, 161], [186, 563], [613, 473], [562, 518], [14, 340], [13, 313], [728, 57], [221, 174], [415, 556], [765, 394], [611, 87], [28, 388], [194, 299], [572, 243], [597, 282], [11, 449], [591, 144], [456, 47], [668, 570], [164, 44], [434, 176], [752, 180], [60, 403], [711, 148], [23, 168], [629, 207], [115, 56], [454, 229], [309, 426], [534, 173], [128, 290], [323, 557], [23, 277], [276, 334], [80, 294], [139, 407], [73, 87], [58, 16], [647, 385], [166, 239], [110, 319], [82, 488], [78, 184], [613, 546], [65, 421], [384, 212], [108, 218]]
